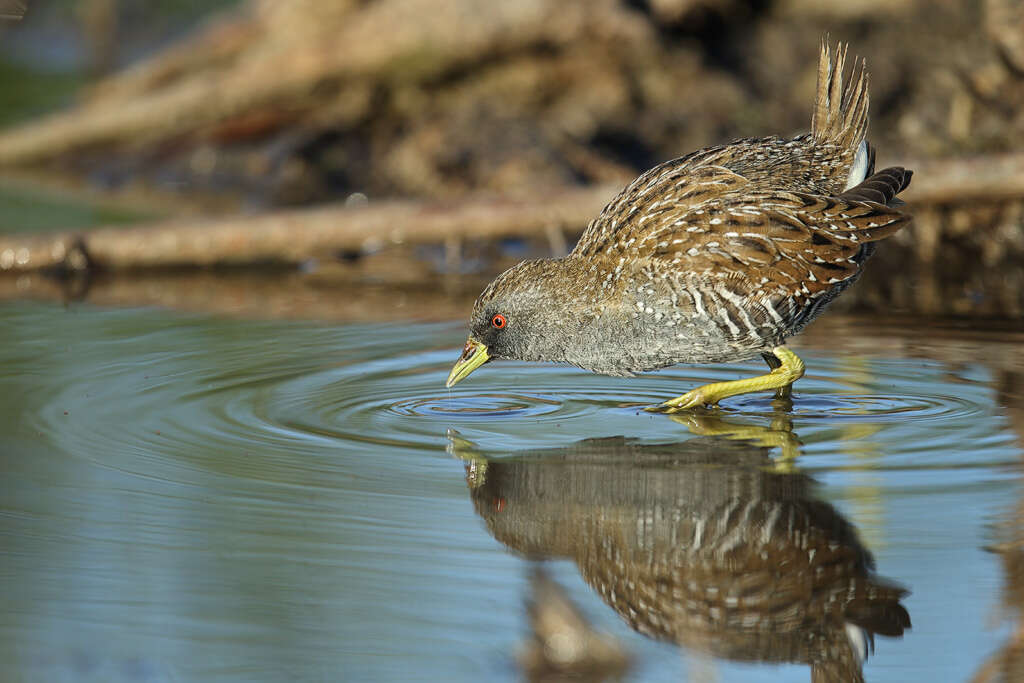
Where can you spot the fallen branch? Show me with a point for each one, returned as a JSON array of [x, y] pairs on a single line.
[[291, 237], [963, 181], [279, 62]]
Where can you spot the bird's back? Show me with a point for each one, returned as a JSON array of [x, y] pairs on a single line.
[[830, 159], [729, 250]]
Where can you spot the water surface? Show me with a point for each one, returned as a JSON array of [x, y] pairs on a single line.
[[187, 497]]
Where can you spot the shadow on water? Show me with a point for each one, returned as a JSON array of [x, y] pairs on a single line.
[[708, 543]]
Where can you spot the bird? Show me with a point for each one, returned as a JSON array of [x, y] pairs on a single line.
[[715, 257], [703, 543]]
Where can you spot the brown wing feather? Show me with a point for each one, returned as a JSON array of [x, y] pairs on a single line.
[[786, 254], [649, 206], [702, 222], [787, 232]]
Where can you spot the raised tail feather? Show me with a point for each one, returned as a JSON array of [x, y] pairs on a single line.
[[840, 109], [867, 209], [882, 187], [878, 192]]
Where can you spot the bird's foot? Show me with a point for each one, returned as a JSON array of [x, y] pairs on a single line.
[[695, 398], [787, 369]]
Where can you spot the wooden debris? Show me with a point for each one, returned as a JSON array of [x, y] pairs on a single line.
[[281, 104], [292, 237]]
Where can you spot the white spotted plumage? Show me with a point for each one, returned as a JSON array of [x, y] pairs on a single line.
[[733, 248]]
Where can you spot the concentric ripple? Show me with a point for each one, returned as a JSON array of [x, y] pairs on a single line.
[[479, 405], [307, 391], [403, 401], [861, 407]]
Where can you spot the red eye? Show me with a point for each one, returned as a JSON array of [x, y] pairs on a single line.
[[498, 322]]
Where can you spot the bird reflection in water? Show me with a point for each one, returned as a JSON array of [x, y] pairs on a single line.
[[706, 543]]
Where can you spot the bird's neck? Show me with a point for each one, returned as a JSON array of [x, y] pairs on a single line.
[[581, 318]]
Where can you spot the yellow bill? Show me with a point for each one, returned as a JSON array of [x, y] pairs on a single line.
[[474, 354]]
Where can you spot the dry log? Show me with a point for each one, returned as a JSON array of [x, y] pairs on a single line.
[[292, 237], [307, 51], [431, 99], [981, 179]]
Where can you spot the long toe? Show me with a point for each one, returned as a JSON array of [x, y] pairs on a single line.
[[691, 399]]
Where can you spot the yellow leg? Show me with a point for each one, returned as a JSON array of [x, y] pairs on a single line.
[[782, 393], [779, 434], [789, 370]]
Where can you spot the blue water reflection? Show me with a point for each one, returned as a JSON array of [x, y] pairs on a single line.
[[186, 497]]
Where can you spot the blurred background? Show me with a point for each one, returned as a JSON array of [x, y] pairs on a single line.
[[185, 108], [238, 243]]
